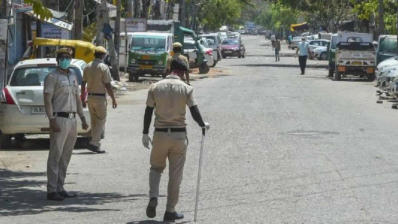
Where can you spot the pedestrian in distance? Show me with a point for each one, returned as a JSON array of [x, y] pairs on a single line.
[[277, 49], [97, 76], [169, 98], [303, 50], [62, 102], [177, 49]]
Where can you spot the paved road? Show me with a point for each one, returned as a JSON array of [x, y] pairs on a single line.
[[283, 148]]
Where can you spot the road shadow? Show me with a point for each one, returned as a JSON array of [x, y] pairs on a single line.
[[281, 65], [21, 194], [42, 143], [156, 222]]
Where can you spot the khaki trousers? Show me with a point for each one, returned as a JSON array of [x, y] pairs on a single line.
[[61, 147], [97, 107], [171, 146]]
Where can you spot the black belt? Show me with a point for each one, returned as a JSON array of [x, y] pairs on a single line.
[[171, 129], [65, 114], [96, 94]]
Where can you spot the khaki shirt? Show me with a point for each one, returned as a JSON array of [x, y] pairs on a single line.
[[63, 89], [96, 74], [170, 97], [179, 57]]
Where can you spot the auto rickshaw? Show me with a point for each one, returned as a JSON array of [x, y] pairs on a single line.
[[46, 48]]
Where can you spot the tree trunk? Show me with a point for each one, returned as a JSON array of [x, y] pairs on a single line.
[[78, 20], [182, 13]]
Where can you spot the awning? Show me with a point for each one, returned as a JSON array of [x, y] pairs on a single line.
[[300, 26], [54, 21]]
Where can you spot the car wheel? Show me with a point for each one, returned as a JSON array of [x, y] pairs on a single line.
[[371, 77], [324, 56], [133, 77], [204, 68], [337, 76], [5, 141], [243, 55], [223, 56]]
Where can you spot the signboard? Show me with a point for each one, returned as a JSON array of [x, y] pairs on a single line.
[[21, 7], [136, 25], [51, 31]]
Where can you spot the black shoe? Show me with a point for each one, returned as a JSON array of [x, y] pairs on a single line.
[[151, 209], [66, 194], [172, 216], [54, 197], [94, 148]]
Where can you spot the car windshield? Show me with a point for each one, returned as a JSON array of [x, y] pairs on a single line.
[[148, 43], [35, 76], [361, 46], [388, 45], [230, 42], [189, 46]]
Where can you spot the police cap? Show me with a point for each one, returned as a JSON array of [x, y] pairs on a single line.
[[177, 45], [64, 50], [100, 49]]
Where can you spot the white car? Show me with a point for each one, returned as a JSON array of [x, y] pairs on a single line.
[[321, 53], [22, 108], [317, 43], [385, 70], [191, 50]]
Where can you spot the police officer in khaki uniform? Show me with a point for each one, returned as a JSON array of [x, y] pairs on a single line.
[[169, 97], [177, 49], [98, 79], [62, 102]]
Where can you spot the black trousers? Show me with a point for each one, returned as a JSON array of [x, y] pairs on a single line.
[[303, 63]]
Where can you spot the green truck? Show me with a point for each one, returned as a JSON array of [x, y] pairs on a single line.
[[149, 50]]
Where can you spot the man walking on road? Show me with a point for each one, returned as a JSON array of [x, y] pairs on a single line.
[[177, 49], [98, 79], [302, 51], [62, 102], [277, 49], [170, 98]]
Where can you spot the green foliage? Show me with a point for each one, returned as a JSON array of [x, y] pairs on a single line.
[[39, 9], [277, 16], [215, 13]]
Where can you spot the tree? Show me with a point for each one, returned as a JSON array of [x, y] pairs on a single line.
[[215, 13], [39, 9]]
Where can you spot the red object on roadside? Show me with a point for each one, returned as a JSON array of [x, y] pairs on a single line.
[[209, 52]]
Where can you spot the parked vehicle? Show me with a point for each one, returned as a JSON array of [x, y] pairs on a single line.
[[47, 48], [149, 50], [191, 51], [22, 108], [317, 43], [295, 41], [124, 49], [383, 71], [387, 47], [354, 55], [233, 47], [214, 41], [355, 58], [321, 53], [148, 54], [210, 55]]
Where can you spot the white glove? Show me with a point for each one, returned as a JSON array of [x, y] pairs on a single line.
[[207, 125], [146, 140]]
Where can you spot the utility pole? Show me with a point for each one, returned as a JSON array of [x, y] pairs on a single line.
[[101, 13], [78, 19], [381, 17], [115, 54]]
